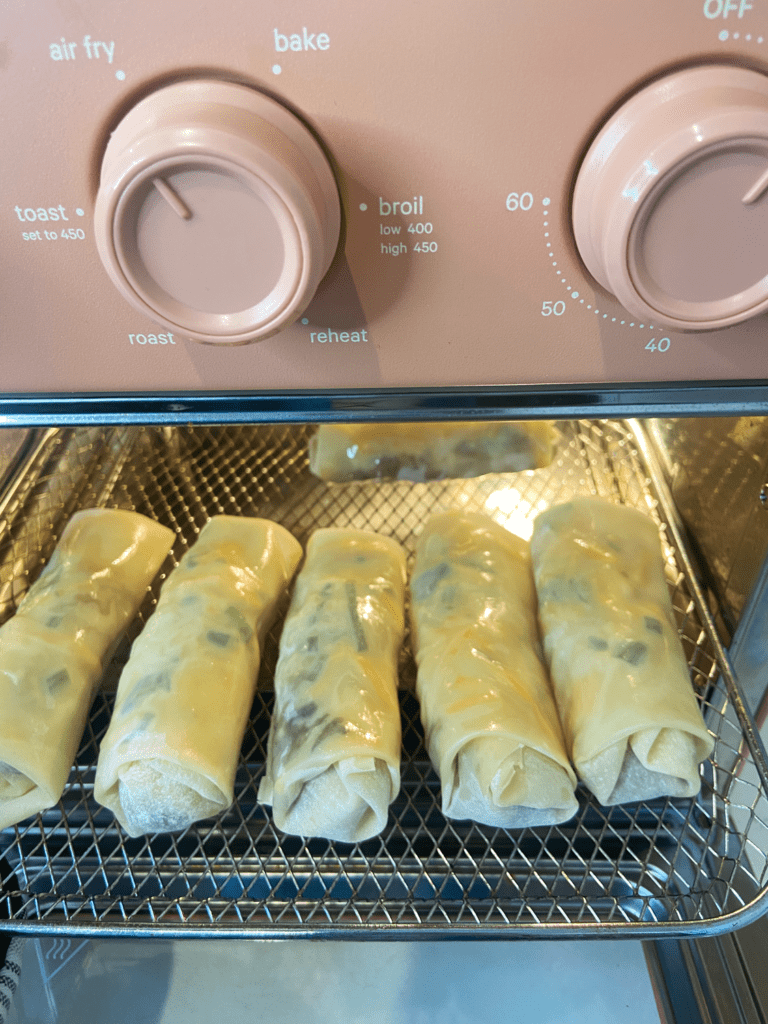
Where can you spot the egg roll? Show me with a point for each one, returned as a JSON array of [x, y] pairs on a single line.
[[489, 717], [170, 755], [333, 764], [428, 451], [54, 650], [631, 719]]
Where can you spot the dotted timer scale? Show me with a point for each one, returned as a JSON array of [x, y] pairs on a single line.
[[725, 35], [546, 204]]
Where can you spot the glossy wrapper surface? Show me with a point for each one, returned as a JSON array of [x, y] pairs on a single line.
[[170, 754], [489, 717], [428, 451], [631, 719], [54, 650], [334, 745]]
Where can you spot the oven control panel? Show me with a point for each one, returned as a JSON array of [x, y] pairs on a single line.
[[298, 196]]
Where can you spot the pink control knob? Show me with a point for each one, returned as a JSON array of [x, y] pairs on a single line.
[[670, 208], [218, 213]]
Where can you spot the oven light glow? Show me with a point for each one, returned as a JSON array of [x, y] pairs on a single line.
[[515, 516]]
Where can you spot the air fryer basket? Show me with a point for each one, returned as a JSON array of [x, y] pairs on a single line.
[[662, 868]]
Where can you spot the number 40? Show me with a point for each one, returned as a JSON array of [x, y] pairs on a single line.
[[662, 345]]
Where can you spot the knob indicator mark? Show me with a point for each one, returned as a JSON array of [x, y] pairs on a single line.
[[173, 199]]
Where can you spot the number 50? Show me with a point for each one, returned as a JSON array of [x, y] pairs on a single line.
[[552, 308]]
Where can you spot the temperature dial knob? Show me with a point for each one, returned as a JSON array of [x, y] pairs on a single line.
[[218, 213], [670, 208]]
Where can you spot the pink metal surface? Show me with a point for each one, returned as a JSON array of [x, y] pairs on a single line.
[[455, 133]]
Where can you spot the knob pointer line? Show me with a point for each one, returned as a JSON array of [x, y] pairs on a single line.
[[757, 189], [173, 199]]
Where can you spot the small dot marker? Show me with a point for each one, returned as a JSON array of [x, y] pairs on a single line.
[[723, 36], [363, 207], [79, 212], [276, 69], [304, 320], [120, 76], [545, 202], [735, 35], [575, 295]]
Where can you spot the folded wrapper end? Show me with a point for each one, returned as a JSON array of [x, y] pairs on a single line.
[[527, 789], [648, 764], [158, 796], [545, 438], [346, 803], [22, 796], [13, 783]]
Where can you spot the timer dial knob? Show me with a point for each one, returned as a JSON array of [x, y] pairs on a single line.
[[670, 208], [217, 213]]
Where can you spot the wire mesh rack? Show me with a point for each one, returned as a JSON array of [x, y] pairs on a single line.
[[665, 867]]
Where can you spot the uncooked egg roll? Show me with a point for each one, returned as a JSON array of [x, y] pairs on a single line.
[[428, 451], [334, 745], [55, 648], [489, 717], [170, 754], [631, 719]]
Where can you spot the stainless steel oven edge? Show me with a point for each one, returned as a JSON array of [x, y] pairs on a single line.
[[653, 399]]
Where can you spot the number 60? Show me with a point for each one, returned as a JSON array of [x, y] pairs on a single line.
[[519, 201]]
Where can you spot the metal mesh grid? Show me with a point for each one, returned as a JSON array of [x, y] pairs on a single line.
[[662, 867]]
